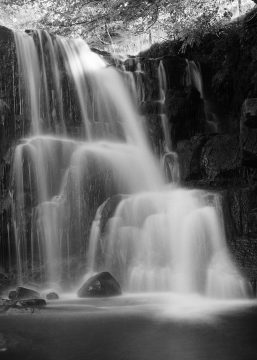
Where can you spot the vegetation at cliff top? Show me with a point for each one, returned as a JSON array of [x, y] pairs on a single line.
[[111, 24]]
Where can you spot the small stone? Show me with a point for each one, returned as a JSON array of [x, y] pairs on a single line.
[[52, 296]]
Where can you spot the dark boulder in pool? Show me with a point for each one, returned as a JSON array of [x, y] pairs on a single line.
[[102, 284], [52, 296], [26, 293]]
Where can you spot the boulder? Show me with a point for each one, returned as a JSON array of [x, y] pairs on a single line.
[[52, 296], [102, 284], [26, 293]]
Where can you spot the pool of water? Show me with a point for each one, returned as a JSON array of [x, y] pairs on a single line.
[[143, 327]]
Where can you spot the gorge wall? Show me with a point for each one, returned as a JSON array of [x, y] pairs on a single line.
[[213, 127]]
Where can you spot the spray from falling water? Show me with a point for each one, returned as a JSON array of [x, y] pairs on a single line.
[[157, 238]]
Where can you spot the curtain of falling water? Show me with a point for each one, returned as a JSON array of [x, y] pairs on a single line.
[[60, 180], [167, 241]]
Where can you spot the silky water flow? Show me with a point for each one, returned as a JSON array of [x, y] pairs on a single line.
[[159, 237]]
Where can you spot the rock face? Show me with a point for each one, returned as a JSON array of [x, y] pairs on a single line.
[[211, 158], [180, 102], [102, 284]]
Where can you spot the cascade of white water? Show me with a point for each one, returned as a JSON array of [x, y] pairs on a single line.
[[167, 241], [50, 172], [159, 238], [52, 87]]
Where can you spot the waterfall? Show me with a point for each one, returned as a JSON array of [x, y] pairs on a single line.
[[86, 145], [60, 179]]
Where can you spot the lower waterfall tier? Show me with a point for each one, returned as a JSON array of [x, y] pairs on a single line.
[[167, 241]]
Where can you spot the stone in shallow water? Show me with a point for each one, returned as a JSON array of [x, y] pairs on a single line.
[[102, 284], [52, 296], [26, 293]]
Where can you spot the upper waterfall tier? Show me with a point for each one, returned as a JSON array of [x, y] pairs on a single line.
[[63, 78]]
